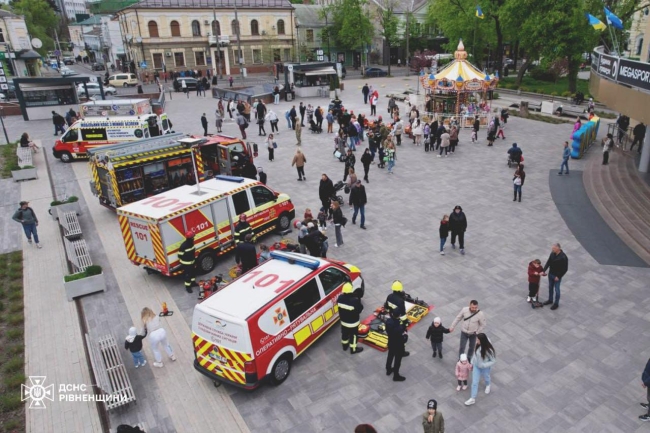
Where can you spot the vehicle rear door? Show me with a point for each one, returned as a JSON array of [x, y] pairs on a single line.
[[223, 220], [225, 164]]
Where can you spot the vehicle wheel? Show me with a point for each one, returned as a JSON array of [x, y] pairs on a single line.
[[108, 93], [281, 369], [206, 262], [125, 85], [284, 222], [66, 157]]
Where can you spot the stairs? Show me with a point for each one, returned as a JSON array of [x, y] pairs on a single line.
[[621, 197]]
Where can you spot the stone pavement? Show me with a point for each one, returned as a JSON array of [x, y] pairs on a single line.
[[573, 369]]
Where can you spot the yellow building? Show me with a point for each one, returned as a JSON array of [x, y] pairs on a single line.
[[639, 42]]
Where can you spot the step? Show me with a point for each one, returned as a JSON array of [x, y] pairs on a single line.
[[628, 196]]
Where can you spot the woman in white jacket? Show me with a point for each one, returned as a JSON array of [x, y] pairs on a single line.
[[484, 358], [157, 336], [418, 132], [273, 119]]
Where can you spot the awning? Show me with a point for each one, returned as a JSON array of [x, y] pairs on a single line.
[[326, 71]]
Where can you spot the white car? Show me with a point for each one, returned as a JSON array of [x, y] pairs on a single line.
[[67, 72], [93, 90]]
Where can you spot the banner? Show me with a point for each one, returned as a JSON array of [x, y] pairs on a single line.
[[635, 74], [607, 66]]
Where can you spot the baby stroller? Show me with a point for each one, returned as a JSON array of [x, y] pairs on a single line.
[[314, 128], [338, 186]]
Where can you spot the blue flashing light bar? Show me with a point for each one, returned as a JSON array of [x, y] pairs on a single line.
[[237, 179], [297, 259]]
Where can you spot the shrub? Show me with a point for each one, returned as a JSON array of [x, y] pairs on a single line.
[[89, 272], [495, 95], [524, 89], [553, 93], [71, 199], [566, 93], [14, 381], [14, 334], [15, 349], [93, 270], [543, 75], [14, 365], [10, 402], [15, 319]]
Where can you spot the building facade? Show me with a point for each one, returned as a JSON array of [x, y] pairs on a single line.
[[168, 35], [639, 42], [16, 51]]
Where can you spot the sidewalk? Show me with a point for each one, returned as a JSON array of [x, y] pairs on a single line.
[[53, 340]]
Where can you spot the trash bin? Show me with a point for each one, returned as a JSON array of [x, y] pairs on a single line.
[[289, 96], [140, 88], [214, 80]]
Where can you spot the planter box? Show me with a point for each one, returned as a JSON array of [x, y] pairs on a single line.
[[66, 207], [85, 286], [24, 174]]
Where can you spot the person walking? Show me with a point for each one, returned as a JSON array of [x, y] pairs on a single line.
[[325, 192], [276, 95], [443, 231], [270, 146], [298, 129], [453, 139], [230, 80], [518, 181], [261, 175], [242, 123], [639, 135], [623, 122], [557, 266], [365, 90], [302, 110], [445, 142], [418, 132], [218, 115], [535, 274], [432, 420], [482, 362], [463, 368], [472, 321], [349, 160], [458, 226], [373, 104], [566, 153], [390, 154], [397, 338], [246, 254], [608, 142], [339, 221], [157, 336], [293, 116], [330, 121], [645, 382], [261, 111], [398, 130], [185, 89], [133, 343], [366, 160], [359, 199], [204, 124], [26, 216], [318, 114], [59, 123], [273, 120], [231, 107], [187, 257], [436, 334], [299, 161], [350, 308]]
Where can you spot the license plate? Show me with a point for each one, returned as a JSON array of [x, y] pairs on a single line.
[[219, 358]]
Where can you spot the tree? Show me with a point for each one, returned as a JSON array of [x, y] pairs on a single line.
[[388, 23], [350, 26], [40, 19]]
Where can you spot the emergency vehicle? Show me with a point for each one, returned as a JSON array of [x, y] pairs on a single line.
[[115, 107], [154, 228], [92, 132], [253, 329], [127, 172]]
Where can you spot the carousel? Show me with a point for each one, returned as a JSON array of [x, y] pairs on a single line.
[[459, 90]]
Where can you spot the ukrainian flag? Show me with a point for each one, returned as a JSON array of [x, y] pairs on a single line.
[[479, 12], [596, 23]]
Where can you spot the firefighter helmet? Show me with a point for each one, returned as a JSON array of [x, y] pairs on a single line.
[[397, 286], [189, 233], [347, 288]]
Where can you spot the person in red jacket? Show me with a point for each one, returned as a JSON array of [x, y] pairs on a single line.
[[535, 273]]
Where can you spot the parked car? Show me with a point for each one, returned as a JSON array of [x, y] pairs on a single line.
[[375, 72], [190, 82], [123, 80], [508, 62], [93, 90], [98, 67], [68, 61], [67, 72]]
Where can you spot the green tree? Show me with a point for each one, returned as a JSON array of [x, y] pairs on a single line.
[[40, 20], [350, 26], [388, 24]]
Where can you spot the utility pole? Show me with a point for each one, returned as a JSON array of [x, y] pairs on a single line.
[[214, 17], [240, 53], [58, 45], [408, 37]]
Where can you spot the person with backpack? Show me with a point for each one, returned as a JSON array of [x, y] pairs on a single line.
[[27, 217]]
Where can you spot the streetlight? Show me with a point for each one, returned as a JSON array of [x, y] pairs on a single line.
[[408, 34]]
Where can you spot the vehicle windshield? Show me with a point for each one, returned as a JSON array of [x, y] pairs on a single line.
[[237, 147]]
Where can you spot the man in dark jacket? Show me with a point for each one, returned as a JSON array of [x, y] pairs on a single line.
[[59, 123], [359, 199], [242, 229], [395, 301], [350, 308], [325, 191], [365, 90], [186, 255], [349, 160], [558, 265], [293, 116], [639, 134], [458, 225], [515, 153], [302, 109], [397, 337], [245, 254], [645, 382], [204, 124]]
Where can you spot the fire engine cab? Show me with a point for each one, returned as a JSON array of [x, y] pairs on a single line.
[[253, 329]]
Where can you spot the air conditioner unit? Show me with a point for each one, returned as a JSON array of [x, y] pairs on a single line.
[[168, 54], [206, 22], [263, 32]]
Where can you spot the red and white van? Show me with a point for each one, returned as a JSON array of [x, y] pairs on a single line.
[[253, 329]]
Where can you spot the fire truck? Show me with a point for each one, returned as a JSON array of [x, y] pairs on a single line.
[[128, 172]]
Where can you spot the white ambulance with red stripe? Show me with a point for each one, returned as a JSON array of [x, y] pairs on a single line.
[[252, 330], [154, 228]]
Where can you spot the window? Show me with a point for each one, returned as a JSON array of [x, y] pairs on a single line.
[[157, 60], [216, 28], [179, 59], [196, 28], [277, 55], [93, 134], [309, 36], [240, 200], [302, 299], [199, 56], [257, 56], [639, 46], [287, 54], [70, 136], [255, 28], [280, 27], [331, 279], [262, 195], [236, 55], [175, 28], [153, 29], [234, 27]]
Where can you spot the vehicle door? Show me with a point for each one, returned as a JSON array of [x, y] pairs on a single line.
[[225, 164], [332, 280], [304, 306], [264, 213], [240, 204], [224, 221]]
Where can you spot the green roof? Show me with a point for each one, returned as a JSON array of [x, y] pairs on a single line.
[[94, 20]]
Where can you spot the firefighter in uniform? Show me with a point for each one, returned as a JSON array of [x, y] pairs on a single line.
[[349, 309], [397, 338], [186, 255], [242, 229], [395, 304]]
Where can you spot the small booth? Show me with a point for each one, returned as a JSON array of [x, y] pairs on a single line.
[[309, 79], [38, 97], [459, 90], [263, 92]]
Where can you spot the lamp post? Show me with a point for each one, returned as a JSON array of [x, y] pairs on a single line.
[[408, 35], [239, 51]]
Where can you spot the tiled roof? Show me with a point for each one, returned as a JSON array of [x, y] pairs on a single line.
[[210, 4], [309, 16]]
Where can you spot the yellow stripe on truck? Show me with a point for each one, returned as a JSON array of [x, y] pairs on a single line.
[[302, 334]]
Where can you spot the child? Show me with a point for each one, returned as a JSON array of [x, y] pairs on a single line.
[[261, 175], [308, 217], [444, 233], [382, 155], [322, 218], [426, 130], [474, 136], [303, 230], [134, 344], [435, 333], [432, 420], [265, 254], [535, 273], [463, 367]]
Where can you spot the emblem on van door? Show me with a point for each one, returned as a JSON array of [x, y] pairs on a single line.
[[220, 323], [280, 315]]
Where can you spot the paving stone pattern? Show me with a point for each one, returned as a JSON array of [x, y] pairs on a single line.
[[573, 369]]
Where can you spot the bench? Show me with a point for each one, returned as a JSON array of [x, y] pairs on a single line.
[[70, 224], [536, 106], [24, 155], [110, 372], [78, 254], [574, 112]]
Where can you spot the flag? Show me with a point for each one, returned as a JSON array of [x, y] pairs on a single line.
[[596, 23], [613, 19], [479, 12]]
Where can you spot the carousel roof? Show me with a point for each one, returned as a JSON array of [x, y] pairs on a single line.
[[462, 70]]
